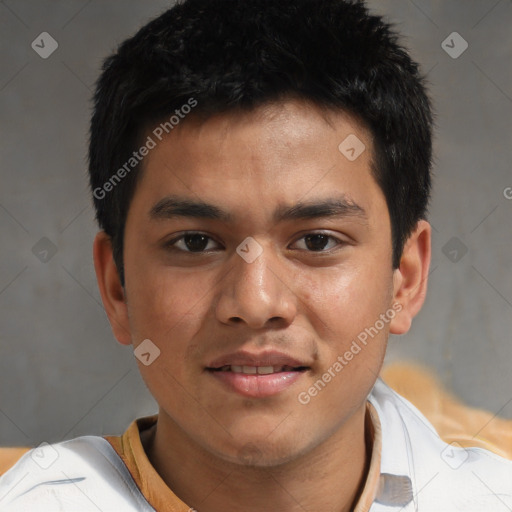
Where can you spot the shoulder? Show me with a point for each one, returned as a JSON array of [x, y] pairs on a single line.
[[9, 456], [80, 474], [452, 419], [440, 476]]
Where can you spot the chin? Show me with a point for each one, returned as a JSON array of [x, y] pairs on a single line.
[[262, 453]]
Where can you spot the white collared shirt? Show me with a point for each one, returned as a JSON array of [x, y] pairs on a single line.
[[418, 472]]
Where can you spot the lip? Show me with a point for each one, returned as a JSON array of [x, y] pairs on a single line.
[[266, 358], [257, 385]]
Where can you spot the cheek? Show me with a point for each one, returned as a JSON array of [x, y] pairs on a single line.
[[344, 307], [170, 311], [167, 307], [343, 301]]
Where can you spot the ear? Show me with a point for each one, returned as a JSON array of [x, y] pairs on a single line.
[[410, 279], [112, 293]]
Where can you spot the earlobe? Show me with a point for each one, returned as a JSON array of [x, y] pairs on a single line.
[[410, 279], [112, 293]]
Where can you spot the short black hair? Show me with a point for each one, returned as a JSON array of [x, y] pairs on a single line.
[[236, 55]]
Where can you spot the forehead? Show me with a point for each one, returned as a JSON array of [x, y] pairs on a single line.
[[287, 128], [281, 152]]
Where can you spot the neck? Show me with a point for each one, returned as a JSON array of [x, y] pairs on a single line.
[[328, 477]]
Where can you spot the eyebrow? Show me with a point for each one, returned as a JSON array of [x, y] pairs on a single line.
[[173, 206]]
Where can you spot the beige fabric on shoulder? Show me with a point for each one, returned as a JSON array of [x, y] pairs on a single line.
[[9, 457], [453, 420]]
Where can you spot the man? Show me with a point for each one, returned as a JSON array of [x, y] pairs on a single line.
[[261, 173]]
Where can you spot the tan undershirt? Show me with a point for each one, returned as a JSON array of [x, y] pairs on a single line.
[[453, 421], [159, 496]]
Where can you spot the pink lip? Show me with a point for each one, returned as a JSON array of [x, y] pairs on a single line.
[[255, 385], [266, 358]]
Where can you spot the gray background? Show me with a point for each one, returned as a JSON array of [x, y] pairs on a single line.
[[62, 374]]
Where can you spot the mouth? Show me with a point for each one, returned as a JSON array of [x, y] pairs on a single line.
[[258, 370], [257, 381]]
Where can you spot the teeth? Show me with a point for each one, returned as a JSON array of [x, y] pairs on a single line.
[[260, 370]]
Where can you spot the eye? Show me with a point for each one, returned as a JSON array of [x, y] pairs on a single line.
[[192, 242], [317, 242], [196, 242]]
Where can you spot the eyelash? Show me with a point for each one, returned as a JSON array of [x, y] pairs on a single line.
[[172, 243]]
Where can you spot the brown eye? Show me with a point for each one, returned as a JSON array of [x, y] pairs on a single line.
[[318, 242], [192, 242], [196, 243]]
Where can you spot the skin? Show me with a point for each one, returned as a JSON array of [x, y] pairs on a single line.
[[216, 449]]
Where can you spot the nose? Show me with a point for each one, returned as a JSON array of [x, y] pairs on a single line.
[[256, 293]]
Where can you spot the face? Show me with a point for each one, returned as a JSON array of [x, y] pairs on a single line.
[[258, 260]]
